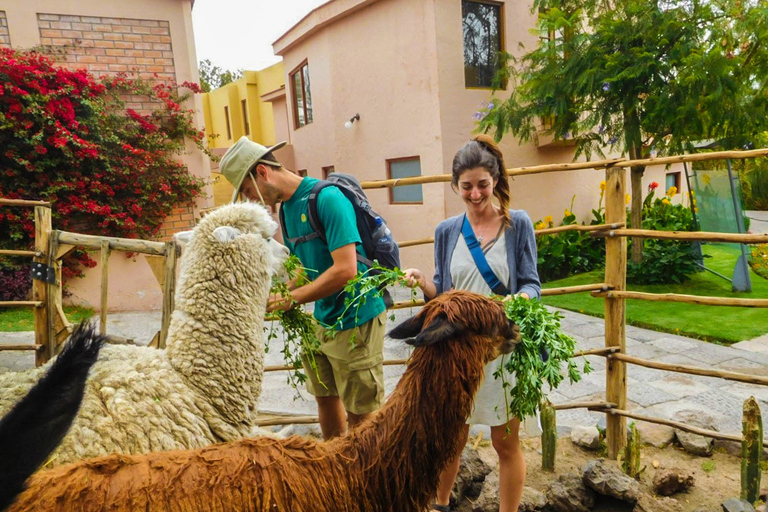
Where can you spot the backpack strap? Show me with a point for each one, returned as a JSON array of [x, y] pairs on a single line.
[[318, 231], [482, 264], [314, 222]]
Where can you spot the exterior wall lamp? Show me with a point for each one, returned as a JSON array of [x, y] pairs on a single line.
[[348, 124]]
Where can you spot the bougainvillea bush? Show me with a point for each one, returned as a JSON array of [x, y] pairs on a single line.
[[66, 137]]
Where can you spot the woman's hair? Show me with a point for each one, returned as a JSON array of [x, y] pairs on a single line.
[[482, 151]]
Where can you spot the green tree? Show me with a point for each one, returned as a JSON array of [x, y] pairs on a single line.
[[640, 77], [212, 76]]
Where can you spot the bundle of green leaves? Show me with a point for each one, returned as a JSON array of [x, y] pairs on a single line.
[[541, 338], [299, 327]]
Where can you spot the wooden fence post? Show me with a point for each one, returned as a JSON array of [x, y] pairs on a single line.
[[615, 310], [169, 289], [751, 450], [39, 288], [105, 252]]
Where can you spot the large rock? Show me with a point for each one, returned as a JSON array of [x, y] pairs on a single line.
[[669, 482], [610, 481], [472, 473], [694, 443], [586, 437], [655, 435], [569, 494], [737, 505], [488, 500], [649, 503]]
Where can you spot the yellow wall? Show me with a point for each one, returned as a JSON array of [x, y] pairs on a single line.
[[250, 88]]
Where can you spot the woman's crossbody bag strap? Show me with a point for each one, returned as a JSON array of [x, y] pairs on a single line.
[[482, 264]]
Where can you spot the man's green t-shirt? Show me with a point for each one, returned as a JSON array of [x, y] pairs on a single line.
[[337, 216]]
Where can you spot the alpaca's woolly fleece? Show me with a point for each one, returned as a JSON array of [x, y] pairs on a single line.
[[204, 388], [391, 462]]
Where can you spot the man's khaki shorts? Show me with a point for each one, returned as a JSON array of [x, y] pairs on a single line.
[[350, 369]]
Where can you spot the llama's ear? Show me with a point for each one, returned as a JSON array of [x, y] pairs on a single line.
[[183, 237], [439, 330], [408, 329], [226, 234]]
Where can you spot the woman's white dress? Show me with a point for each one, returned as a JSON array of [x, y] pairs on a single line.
[[490, 405]]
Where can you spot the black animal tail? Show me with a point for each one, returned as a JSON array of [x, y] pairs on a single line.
[[39, 421]]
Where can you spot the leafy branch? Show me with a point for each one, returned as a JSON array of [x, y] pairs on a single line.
[[540, 334], [371, 283], [299, 327]]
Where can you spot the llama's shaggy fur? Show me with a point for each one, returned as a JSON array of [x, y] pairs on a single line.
[[204, 388], [389, 463], [39, 421]]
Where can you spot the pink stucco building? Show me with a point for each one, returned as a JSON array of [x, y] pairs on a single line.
[[415, 72]]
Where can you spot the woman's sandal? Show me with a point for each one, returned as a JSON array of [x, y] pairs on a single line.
[[441, 508]]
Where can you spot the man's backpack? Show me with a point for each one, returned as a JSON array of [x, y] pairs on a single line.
[[375, 236]]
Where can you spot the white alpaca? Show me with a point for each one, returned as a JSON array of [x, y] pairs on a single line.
[[204, 388]]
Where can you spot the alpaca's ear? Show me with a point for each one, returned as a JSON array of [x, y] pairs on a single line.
[[226, 234], [183, 237], [439, 330], [408, 329]]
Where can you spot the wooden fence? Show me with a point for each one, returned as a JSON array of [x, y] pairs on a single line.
[[613, 290], [51, 324]]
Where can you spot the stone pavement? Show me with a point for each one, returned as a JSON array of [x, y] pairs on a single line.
[[650, 392]]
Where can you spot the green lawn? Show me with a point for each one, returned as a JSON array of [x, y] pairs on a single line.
[[22, 319], [714, 323]]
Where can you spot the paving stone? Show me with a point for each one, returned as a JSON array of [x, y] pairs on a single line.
[[741, 364], [588, 330], [646, 396], [757, 345], [741, 390], [644, 335], [580, 389], [647, 351], [596, 362], [678, 385], [673, 345], [556, 397], [679, 359], [577, 417], [592, 343], [710, 354]]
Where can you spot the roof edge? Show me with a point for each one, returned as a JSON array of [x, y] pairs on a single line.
[[318, 18]]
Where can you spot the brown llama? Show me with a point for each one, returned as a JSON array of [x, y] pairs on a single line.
[[389, 463]]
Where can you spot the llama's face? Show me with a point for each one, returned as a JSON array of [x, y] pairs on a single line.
[[455, 313], [229, 224]]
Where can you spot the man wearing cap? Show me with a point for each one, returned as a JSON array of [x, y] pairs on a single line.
[[349, 376]]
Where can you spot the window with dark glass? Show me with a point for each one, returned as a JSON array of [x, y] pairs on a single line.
[[302, 98], [405, 168], [482, 28], [247, 126], [229, 127]]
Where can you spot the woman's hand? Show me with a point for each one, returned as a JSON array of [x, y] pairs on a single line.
[[415, 277], [510, 297]]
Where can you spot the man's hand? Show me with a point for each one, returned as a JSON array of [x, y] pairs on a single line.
[[280, 302]]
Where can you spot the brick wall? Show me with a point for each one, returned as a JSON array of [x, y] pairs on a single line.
[[108, 46], [180, 219], [5, 40]]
